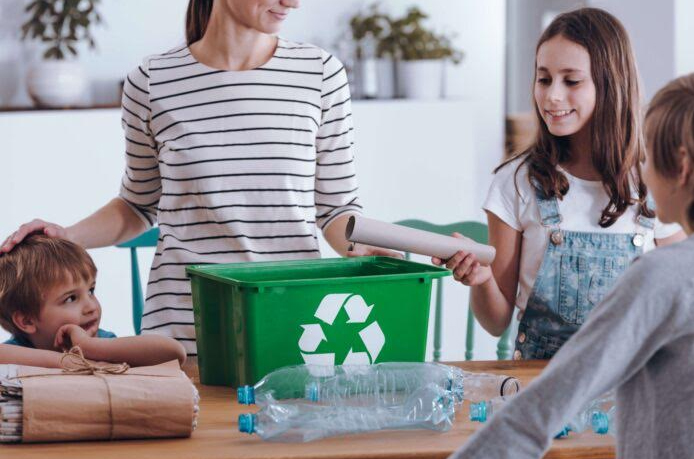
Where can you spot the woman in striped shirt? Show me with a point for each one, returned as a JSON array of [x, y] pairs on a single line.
[[238, 144]]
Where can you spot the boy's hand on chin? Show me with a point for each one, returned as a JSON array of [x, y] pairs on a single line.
[[70, 335]]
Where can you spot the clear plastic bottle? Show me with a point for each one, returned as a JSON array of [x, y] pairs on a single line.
[[429, 407], [385, 383]]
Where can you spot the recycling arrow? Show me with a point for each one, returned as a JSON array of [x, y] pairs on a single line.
[[357, 358], [311, 337], [329, 307], [357, 309], [358, 312], [373, 339], [319, 359]]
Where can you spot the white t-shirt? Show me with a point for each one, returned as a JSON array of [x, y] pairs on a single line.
[[580, 209]]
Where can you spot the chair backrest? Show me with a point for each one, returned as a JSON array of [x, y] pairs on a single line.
[[478, 232], [147, 239]]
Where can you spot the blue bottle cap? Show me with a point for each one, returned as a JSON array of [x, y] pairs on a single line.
[[247, 423], [600, 422], [246, 395], [564, 432], [478, 412], [312, 393]]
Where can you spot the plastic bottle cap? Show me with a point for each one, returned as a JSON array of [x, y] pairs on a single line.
[[600, 422], [247, 423], [564, 432], [246, 395], [478, 412], [312, 393]]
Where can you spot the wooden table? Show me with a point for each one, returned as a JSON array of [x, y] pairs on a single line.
[[217, 435]]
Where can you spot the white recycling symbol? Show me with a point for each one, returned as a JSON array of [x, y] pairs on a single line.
[[358, 311]]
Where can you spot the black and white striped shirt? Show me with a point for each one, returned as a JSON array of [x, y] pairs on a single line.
[[234, 165]]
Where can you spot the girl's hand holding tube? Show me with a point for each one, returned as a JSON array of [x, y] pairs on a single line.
[[465, 267]]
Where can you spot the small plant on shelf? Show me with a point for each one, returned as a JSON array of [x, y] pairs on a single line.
[[61, 25], [414, 41]]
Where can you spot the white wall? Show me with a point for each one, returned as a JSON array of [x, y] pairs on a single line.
[[651, 28], [441, 157], [684, 37]]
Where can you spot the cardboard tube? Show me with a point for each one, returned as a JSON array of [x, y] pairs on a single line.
[[396, 237]]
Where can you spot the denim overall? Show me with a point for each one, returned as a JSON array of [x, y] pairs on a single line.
[[577, 270]]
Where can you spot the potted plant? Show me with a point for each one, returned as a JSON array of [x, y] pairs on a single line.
[[374, 68], [422, 54], [58, 80]]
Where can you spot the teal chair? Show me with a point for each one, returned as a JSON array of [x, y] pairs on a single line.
[[147, 239], [477, 232]]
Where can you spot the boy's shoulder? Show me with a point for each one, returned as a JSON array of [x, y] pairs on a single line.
[[669, 266], [105, 334], [19, 341]]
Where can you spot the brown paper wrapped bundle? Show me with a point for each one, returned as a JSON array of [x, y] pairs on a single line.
[[86, 401]]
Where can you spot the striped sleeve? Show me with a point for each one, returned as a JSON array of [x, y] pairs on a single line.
[[336, 182], [141, 184]]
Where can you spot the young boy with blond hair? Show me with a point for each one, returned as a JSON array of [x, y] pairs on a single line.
[[47, 302]]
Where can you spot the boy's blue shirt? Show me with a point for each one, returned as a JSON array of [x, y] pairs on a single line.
[[21, 341]]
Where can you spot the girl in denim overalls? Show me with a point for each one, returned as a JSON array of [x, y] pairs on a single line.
[[569, 214]]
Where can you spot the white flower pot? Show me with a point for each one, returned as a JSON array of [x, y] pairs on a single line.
[[421, 79], [385, 73], [58, 84], [9, 70]]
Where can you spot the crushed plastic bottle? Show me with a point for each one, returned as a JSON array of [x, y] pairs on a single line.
[[428, 407], [385, 384]]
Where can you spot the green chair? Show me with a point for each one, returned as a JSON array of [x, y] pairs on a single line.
[[477, 232], [147, 239]]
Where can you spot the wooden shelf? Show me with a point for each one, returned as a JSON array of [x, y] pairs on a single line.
[[53, 109], [117, 106]]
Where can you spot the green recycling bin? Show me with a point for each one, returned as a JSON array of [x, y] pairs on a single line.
[[252, 318]]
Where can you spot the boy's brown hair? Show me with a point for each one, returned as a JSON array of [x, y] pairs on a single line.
[[617, 141], [33, 267], [670, 127]]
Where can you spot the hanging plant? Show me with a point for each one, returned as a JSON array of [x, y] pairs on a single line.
[[61, 25]]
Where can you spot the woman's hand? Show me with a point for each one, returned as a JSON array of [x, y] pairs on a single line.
[[34, 226], [362, 250], [465, 267], [70, 335]]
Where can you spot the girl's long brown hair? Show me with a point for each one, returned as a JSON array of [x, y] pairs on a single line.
[[670, 127], [197, 17], [617, 142]]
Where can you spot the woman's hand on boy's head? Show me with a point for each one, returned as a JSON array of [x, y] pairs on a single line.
[[34, 226], [70, 335]]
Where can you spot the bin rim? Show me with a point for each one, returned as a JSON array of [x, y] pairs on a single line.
[[208, 271]]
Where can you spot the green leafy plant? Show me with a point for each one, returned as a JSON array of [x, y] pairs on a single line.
[[370, 25], [414, 41], [61, 24]]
